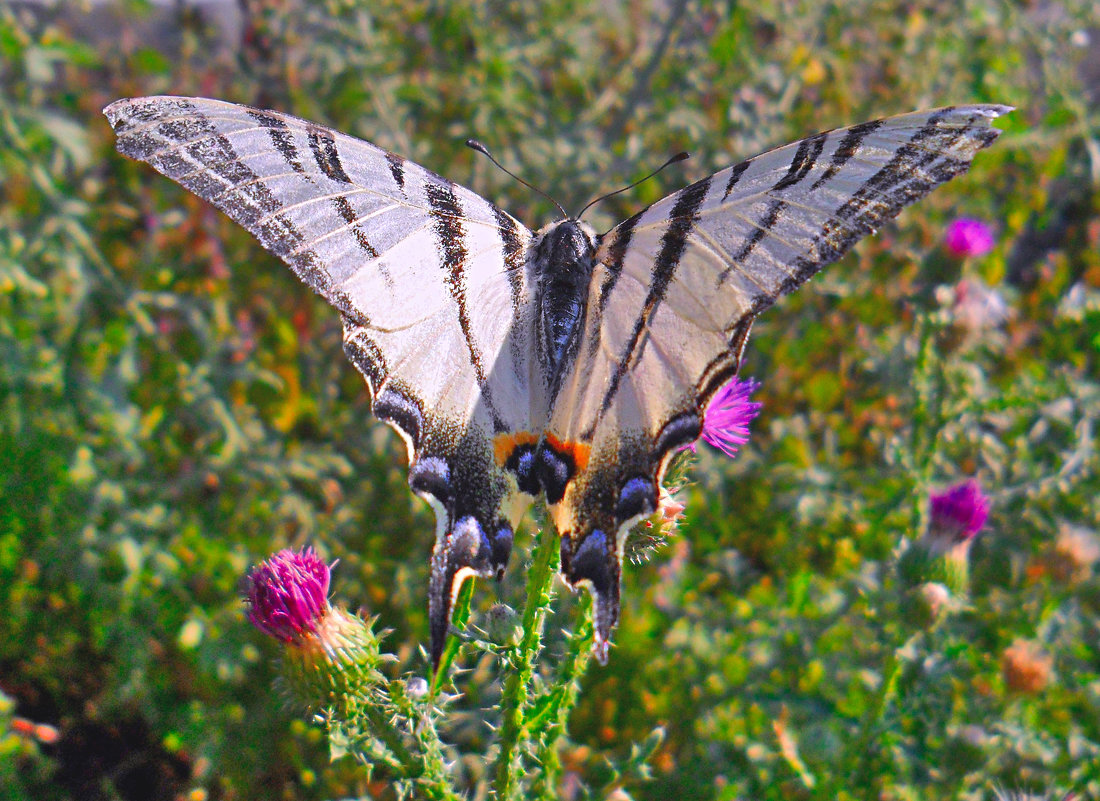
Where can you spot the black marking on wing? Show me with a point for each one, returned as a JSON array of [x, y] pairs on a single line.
[[523, 463], [512, 254], [614, 267], [762, 229], [735, 175], [323, 145], [617, 252], [431, 475], [446, 214], [805, 157], [367, 357], [401, 409], [681, 430], [638, 497], [347, 213], [281, 139], [681, 221], [397, 169], [846, 149]]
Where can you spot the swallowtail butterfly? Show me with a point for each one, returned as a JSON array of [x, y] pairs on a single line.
[[558, 363]]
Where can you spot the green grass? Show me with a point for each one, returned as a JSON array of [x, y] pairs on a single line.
[[174, 407]]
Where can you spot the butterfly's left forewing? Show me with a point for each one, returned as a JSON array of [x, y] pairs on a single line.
[[675, 291], [429, 279]]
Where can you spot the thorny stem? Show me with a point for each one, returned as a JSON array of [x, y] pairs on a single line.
[[872, 717], [513, 701], [564, 698]]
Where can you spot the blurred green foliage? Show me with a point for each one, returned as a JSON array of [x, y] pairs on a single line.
[[174, 406]]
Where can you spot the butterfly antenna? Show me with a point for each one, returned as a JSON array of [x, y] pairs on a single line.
[[473, 144], [678, 157]]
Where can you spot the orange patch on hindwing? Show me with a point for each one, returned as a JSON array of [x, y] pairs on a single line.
[[505, 444], [577, 451]]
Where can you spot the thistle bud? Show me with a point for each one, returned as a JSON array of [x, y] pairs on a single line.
[[288, 595], [926, 605], [502, 624]]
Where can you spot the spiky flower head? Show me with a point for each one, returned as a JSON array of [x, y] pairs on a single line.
[[729, 413], [942, 553], [288, 594], [957, 514], [969, 237], [331, 656]]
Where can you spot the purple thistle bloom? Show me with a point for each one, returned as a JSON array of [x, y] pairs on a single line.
[[969, 237], [288, 594], [728, 415], [958, 513]]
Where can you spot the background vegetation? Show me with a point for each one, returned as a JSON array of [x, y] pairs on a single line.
[[174, 406]]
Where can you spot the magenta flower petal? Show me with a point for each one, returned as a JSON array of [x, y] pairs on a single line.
[[969, 237], [958, 513], [727, 419], [288, 594]]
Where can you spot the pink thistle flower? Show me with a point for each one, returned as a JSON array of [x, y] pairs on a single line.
[[729, 413], [288, 594], [969, 237], [957, 514]]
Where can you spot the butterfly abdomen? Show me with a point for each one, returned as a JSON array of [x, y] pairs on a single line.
[[561, 263]]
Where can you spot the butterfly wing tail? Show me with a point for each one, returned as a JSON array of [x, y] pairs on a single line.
[[469, 550], [592, 560]]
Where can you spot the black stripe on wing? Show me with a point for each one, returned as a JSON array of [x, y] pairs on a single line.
[[323, 145], [915, 169], [447, 219], [281, 139], [684, 214], [847, 148], [204, 161], [735, 176]]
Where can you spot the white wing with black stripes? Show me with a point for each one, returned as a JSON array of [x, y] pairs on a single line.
[[675, 290], [428, 278]]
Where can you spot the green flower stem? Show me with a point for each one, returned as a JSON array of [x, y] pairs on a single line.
[[459, 618], [927, 417], [407, 764], [513, 701], [560, 700], [872, 718]]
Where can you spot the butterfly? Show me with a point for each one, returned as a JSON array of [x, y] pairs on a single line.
[[558, 363]]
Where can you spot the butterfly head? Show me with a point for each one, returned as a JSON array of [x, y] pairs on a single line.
[[566, 244]]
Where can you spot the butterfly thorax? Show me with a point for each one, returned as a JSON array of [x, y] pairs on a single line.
[[560, 263]]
